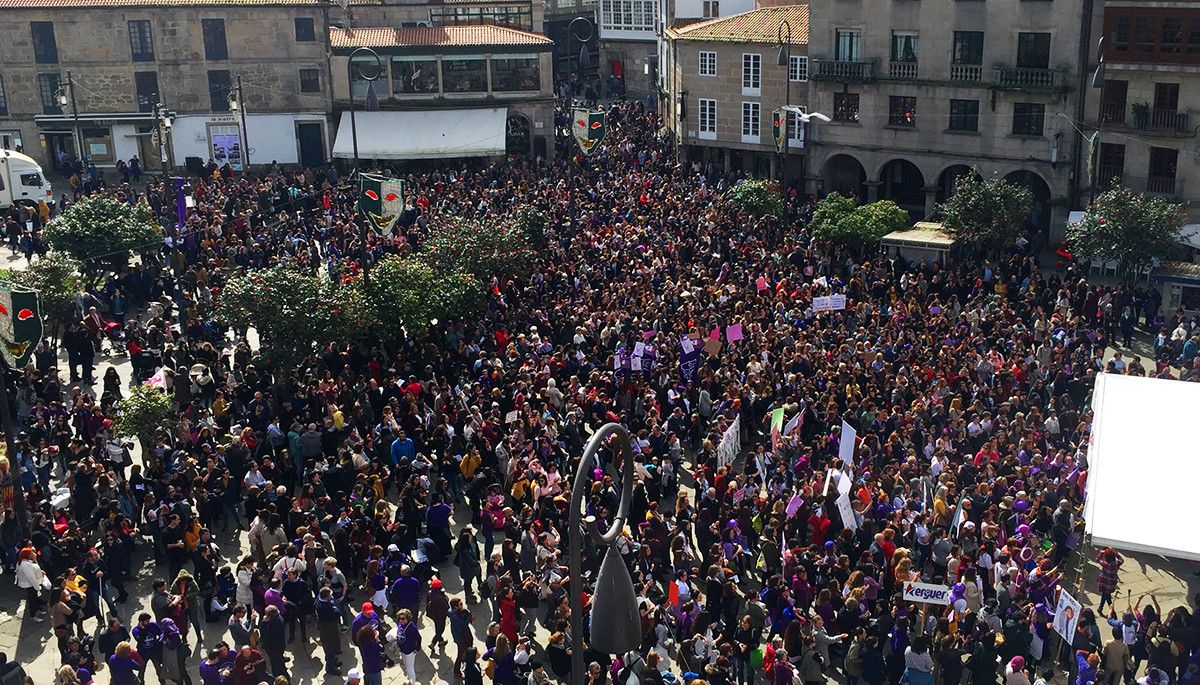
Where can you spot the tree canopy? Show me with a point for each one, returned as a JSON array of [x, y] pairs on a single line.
[[1128, 227], [103, 228], [405, 295], [841, 219], [56, 278], [757, 198], [988, 214], [464, 246]]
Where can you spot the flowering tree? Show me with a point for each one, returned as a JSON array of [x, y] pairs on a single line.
[[1128, 227]]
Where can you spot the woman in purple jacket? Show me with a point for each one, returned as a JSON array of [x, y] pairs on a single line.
[[370, 651]]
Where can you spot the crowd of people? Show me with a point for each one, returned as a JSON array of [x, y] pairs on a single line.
[[401, 497]]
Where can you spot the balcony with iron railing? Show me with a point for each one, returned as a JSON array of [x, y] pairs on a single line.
[[845, 71], [1161, 120], [902, 71], [1028, 78], [1112, 113], [1168, 186], [971, 73]]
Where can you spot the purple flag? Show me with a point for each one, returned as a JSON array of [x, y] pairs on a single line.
[[689, 359], [180, 204]]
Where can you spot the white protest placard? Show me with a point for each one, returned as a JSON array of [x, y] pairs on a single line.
[[821, 304], [847, 512], [686, 344], [927, 593], [846, 446], [837, 302], [845, 480], [1066, 615], [731, 443], [828, 479], [511, 417], [635, 364], [639, 349]]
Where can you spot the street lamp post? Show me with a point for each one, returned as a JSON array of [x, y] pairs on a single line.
[[366, 76], [615, 625], [785, 60], [237, 103], [581, 30], [69, 97]]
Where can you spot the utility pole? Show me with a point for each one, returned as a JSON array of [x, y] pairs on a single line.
[[367, 76], [163, 118], [69, 98], [238, 104]]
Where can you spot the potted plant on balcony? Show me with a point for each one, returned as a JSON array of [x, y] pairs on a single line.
[[1141, 114]]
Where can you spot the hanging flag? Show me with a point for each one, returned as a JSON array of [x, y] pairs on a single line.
[[180, 204], [589, 128], [779, 128], [381, 200], [776, 427], [20, 323]]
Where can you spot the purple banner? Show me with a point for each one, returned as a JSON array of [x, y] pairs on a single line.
[[180, 204], [689, 359]]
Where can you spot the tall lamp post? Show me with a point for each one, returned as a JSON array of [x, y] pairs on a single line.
[[365, 76], [237, 103], [581, 30], [67, 95], [784, 30], [615, 625]]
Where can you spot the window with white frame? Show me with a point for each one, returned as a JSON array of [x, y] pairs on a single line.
[[751, 73], [750, 122], [712, 9], [708, 119], [708, 63], [798, 68], [628, 15], [795, 128]]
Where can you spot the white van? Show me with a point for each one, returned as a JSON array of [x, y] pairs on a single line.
[[22, 181]]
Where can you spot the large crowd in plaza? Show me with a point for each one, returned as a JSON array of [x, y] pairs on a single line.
[[396, 509]]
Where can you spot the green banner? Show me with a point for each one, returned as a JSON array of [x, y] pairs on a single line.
[[20, 323]]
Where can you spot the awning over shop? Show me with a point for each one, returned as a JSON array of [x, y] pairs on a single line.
[[424, 134]]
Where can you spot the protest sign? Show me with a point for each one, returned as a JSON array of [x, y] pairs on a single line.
[[1066, 615], [846, 446], [926, 593], [733, 332]]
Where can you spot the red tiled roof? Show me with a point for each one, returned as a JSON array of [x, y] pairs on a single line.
[[755, 26], [41, 4], [432, 36]]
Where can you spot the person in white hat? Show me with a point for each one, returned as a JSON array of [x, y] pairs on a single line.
[[353, 677]]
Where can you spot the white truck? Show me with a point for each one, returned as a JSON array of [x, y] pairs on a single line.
[[22, 181]]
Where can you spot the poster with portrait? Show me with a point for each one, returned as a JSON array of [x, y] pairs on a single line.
[[225, 145], [1066, 615]]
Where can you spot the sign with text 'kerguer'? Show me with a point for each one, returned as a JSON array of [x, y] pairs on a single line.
[[926, 593]]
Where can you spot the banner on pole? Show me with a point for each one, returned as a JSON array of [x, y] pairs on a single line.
[[20, 323], [731, 443], [381, 200]]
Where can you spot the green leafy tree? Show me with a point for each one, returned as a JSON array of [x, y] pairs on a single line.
[[56, 278], [757, 198], [103, 229], [841, 219], [533, 222], [1128, 227], [405, 296], [141, 414], [294, 312], [461, 246], [988, 214]]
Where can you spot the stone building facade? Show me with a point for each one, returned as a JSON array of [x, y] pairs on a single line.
[[923, 92], [724, 81]]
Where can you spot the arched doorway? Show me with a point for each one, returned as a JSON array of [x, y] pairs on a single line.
[[948, 180], [1039, 212], [901, 182], [845, 175], [518, 135]]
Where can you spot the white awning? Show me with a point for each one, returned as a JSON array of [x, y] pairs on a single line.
[[424, 134]]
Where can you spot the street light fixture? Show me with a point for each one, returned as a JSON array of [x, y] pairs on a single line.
[[237, 104], [65, 95], [367, 76], [615, 625], [581, 30]]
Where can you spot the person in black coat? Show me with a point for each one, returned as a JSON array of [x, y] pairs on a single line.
[[874, 668], [273, 640]]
